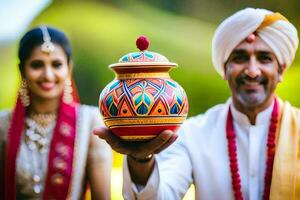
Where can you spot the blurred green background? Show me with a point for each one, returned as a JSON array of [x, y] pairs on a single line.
[[104, 30]]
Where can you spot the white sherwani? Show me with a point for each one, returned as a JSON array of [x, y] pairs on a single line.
[[200, 157]]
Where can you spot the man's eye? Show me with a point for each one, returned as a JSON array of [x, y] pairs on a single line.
[[239, 58], [265, 58]]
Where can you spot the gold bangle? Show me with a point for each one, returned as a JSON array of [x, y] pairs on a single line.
[[142, 160]]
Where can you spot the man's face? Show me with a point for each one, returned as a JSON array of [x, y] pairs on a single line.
[[253, 72]]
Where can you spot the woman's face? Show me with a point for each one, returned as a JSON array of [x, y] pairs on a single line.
[[45, 73]]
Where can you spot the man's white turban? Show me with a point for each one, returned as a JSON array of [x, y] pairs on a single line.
[[272, 28]]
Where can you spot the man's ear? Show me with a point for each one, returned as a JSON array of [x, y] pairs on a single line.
[[281, 69], [225, 73], [280, 78]]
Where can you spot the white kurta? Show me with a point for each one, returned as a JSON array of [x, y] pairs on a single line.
[[200, 156]]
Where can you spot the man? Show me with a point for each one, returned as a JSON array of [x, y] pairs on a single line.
[[247, 148]]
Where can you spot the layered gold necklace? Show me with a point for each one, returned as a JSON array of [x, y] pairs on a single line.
[[37, 139], [38, 127]]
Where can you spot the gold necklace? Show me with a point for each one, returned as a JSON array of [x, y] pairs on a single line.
[[43, 119], [38, 128], [37, 139]]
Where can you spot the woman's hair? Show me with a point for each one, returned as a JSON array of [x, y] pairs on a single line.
[[34, 38]]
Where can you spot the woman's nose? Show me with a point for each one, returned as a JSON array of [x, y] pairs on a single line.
[[49, 73]]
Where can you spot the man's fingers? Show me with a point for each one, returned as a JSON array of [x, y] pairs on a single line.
[[162, 141], [155, 144], [115, 142], [168, 143], [100, 131]]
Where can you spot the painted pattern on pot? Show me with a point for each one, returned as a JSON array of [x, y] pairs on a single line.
[[143, 100]]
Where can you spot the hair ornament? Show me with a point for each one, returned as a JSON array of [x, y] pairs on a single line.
[[47, 46]]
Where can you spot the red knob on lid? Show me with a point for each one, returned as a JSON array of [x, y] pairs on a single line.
[[142, 43]]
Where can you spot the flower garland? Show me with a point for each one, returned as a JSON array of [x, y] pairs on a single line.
[[232, 152]]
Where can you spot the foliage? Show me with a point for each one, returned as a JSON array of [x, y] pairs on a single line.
[[101, 34]]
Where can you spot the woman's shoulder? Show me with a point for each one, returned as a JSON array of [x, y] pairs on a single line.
[[4, 114], [4, 121], [91, 114], [89, 109], [4, 117]]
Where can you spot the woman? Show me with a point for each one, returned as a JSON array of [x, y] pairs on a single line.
[[47, 149]]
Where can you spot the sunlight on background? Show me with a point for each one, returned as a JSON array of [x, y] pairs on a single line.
[[16, 16]]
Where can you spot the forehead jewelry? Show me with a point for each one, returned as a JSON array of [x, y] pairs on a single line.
[[47, 46]]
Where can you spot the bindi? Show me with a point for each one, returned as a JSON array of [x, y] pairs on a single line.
[[251, 38]]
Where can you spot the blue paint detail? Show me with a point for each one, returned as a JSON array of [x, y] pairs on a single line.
[[138, 100], [109, 101], [142, 109], [113, 110], [116, 83], [125, 58], [149, 55], [175, 109], [172, 84], [179, 101], [136, 55], [147, 99]]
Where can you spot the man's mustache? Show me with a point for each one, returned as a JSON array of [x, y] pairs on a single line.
[[244, 78]]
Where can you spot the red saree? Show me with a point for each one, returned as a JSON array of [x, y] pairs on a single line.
[[61, 152]]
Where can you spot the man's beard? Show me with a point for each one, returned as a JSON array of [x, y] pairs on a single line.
[[253, 97]]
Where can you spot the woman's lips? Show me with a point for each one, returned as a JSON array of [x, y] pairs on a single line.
[[47, 86]]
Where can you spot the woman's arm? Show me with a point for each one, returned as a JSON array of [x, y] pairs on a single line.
[[4, 125], [99, 164]]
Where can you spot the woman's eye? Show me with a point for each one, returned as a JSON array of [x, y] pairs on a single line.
[[57, 64], [36, 64]]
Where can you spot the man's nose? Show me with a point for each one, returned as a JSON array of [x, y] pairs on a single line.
[[253, 70]]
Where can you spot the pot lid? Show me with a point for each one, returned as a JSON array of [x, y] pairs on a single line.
[[144, 57]]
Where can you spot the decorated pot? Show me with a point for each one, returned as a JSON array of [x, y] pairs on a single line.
[[143, 100]]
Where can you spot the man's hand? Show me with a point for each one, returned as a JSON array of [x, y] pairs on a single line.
[[140, 154], [140, 149]]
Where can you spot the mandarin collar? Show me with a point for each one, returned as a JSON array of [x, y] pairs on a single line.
[[262, 118]]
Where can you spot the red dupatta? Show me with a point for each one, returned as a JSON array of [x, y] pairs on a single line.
[[61, 152]]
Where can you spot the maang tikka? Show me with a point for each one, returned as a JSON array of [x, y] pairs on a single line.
[[47, 46]]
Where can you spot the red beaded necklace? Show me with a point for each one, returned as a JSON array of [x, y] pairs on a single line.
[[232, 152]]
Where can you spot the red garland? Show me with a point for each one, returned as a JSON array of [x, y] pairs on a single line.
[[232, 152]]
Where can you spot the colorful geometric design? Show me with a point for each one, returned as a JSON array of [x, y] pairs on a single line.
[[143, 56], [143, 100], [147, 106]]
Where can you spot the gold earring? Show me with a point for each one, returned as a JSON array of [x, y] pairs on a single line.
[[68, 98], [23, 92]]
